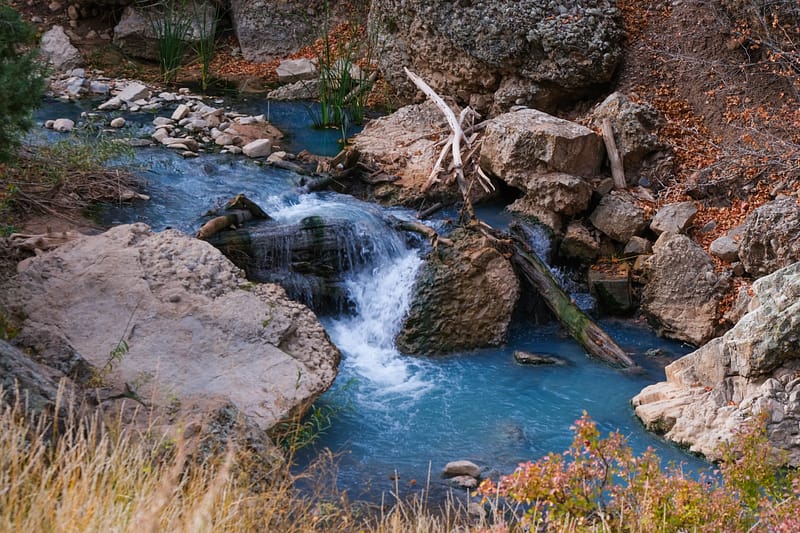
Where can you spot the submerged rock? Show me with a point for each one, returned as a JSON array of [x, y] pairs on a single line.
[[463, 298], [754, 367], [163, 318]]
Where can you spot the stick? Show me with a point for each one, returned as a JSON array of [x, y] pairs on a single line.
[[613, 155], [458, 134]]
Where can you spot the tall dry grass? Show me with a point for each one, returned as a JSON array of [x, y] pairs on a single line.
[[90, 474]]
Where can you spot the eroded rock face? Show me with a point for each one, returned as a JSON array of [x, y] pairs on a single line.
[[193, 336], [499, 54], [754, 367], [770, 237], [268, 30], [682, 292], [463, 298]]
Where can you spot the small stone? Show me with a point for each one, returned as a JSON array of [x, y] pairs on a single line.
[[468, 482], [49, 124], [180, 112], [72, 12], [725, 248], [461, 468], [96, 87], [54, 6], [258, 148], [637, 246], [78, 72], [188, 154], [133, 92], [111, 104], [163, 121], [118, 122], [63, 125], [92, 35], [673, 218]]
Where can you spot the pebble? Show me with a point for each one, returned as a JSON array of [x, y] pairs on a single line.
[[118, 122]]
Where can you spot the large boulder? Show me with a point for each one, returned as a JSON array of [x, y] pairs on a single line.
[[635, 125], [682, 292], [59, 51], [546, 158], [139, 29], [673, 218], [770, 237], [164, 318], [499, 54], [463, 298], [754, 367], [521, 144], [269, 30]]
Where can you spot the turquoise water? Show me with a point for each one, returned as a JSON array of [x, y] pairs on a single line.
[[398, 415]]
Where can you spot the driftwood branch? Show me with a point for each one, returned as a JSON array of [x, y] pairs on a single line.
[[617, 171], [422, 229], [457, 136]]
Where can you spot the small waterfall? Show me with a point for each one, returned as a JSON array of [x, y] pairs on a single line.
[[541, 243]]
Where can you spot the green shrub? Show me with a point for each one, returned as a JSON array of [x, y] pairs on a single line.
[[22, 80]]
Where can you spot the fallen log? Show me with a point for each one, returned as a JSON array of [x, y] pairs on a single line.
[[580, 327]]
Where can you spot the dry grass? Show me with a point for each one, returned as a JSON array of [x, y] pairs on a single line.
[[91, 475]]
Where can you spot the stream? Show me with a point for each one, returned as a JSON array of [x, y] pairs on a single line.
[[397, 416]]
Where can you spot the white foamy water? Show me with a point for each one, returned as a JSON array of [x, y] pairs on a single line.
[[381, 295]]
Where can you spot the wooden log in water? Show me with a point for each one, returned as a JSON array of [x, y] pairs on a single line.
[[580, 327]]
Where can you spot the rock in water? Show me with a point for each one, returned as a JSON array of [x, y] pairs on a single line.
[[463, 299], [192, 336], [754, 367]]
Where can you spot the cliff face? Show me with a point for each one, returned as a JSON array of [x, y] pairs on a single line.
[[494, 55], [754, 367]]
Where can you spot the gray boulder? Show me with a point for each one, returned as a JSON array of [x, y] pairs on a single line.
[[682, 292], [725, 248], [269, 30], [59, 51], [579, 243], [299, 90], [162, 315], [619, 216], [612, 288], [635, 125], [673, 218], [461, 468], [770, 237], [754, 367], [463, 298], [534, 52], [139, 28]]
